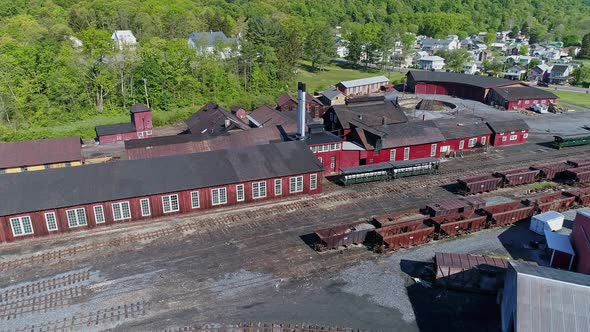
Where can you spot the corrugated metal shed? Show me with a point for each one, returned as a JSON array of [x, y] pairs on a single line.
[[40, 152], [364, 81]]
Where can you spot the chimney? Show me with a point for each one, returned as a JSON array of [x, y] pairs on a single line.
[[301, 110]]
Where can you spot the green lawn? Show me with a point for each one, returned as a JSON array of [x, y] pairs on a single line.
[[575, 98], [333, 74]]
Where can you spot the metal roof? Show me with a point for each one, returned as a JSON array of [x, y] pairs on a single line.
[[458, 78], [508, 125], [515, 93], [73, 186], [369, 114], [267, 116], [40, 152], [364, 81], [549, 299], [559, 242], [113, 129], [331, 93], [210, 37], [454, 129], [139, 107], [408, 134], [210, 120]]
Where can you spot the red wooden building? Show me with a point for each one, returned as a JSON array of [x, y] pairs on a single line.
[[362, 86], [520, 97], [509, 132], [74, 198], [212, 120], [464, 135], [326, 146], [139, 127], [313, 106], [580, 238]]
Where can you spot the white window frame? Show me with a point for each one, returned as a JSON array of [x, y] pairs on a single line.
[[407, 153], [296, 184], [278, 187], [47, 221], [195, 197], [258, 190], [167, 203], [94, 209], [21, 225], [461, 144], [140, 134], [149, 132], [504, 138], [240, 193], [471, 143], [525, 135], [321, 160], [148, 207], [433, 150], [78, 221], [513, 137], [313, 181], [332, 163], [392, 154], [483, 140], [121, 208], [218, 191], [333, 147]]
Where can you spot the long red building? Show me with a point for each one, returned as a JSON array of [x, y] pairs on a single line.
[[67, 199]]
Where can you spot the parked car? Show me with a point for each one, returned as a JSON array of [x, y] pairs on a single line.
[[539, 108]]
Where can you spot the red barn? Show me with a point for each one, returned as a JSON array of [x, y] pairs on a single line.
[[520, 97], [67, 199], [313, 106], [464, 135], [139, 127], [581, 241], [509, 132]]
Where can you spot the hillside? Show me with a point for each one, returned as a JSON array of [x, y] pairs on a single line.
[[47, 80]]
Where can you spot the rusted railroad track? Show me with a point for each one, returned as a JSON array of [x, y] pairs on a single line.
[[260, 327], [39, 287], [41, 303]]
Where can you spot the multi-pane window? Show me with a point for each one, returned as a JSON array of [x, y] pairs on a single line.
[[461, 145], [170, 203], [526, 135], [513, 137], [99, 214], [433, 150], [218, 196], [296, 184], [483, 140], [240, 194], [195, 202], [121, 211], [21, 226], [76, 217], [278, 187], [472, 142], [504, 138], [259, 189], [392, 155], [333, 163], [313, 182], [407, 153], [51, 221], [145, 207]]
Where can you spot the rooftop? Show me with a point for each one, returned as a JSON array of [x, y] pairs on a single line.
[[514, 93], [447, 77], [213, 120], [369, 114], [40, 152], [364, 81], [507, 125], [113, 129], [209, 38], [453, 128]]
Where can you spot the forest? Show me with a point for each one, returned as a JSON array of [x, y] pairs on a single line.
[[47, 81]]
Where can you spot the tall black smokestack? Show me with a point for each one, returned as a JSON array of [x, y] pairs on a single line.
[[301, 110]]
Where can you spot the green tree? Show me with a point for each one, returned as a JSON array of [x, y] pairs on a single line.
[[571, 40], [489, 38], [585, 50], [320, 46], [582, 75], [455, 59], [523, 50]]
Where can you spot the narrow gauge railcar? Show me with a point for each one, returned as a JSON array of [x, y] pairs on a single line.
[[389, 170], [562, 141]]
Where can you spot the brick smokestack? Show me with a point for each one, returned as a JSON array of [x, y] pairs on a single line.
[[301, 110]]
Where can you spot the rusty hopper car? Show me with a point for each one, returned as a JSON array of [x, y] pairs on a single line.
[[582, 196], [578, 175], [516, 177], [579, 162], [455, 206], [552, 171], [403, 235], [557, 201], [398, 217], [343, 235], [446, 227], [470, 272], [508, 213], [478, 184]]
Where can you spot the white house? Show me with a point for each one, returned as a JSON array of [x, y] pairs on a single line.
[[470, 68], [515, 73], [210, 42], [124, 39], [341, 48], [452, 42], [431, 62]]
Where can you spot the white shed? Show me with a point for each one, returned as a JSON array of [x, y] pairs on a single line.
[[551, 220]]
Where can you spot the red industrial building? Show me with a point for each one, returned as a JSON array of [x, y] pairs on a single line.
[[464, 135], [580, 238], [40, 154], [362, 86], [212, 120], [519, 97], [509, 132], [313, 106], [68, 199], [139, 127]]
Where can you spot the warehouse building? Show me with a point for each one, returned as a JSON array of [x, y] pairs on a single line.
[[40, 154], [464, 135], [363, 86], [509, 132], [67, 199], [139, 127], [520, 97]]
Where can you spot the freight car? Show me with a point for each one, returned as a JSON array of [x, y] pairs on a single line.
[[562, 141], [478, 184], [557, 201], [342, 235], [457, 225], [577, 175], [388, 170], [507, 213], [552, 172]]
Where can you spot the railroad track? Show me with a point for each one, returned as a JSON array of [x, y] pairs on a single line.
[[44, 286], [42, 303], [259, 327]]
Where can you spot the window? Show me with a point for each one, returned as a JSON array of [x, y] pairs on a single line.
[[337, 146], [472, 142], [332, 147], [526, 102], [99, 214], [149, 132], [21, 226], [333, 163], [258, 189], [504, 138], [433, 150], [461, 145], [121, 211], [392, 155], [170, 203], [240, 196], [195, 203], [218, 196], [513, 137], [483, 140], [313, 182], [526, 135], [296, 184], [321, 160], [76, 217], [51, 221], [407, 153], [140, 134], [278, 187], [145, 207]]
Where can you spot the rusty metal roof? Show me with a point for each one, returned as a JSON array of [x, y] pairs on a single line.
[[514, 93], [464, 261], [267, 116], [211, 119], [40, 152], [369, 114]]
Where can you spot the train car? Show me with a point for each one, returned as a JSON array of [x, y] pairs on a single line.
[[578, 175], [508, 213], [552, 172], [342, 235], [425, 166], [562, 141], [446, 227], [557, 201], [388, 170], [517, 177], [478, 184]]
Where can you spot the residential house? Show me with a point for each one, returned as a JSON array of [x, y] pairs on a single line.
[[331, 96], [213, 120], [287, 103], [419, 55], [560, 74], [433, 62], [572, 51], [539, 73], [124, 39], [498, 46], [214, 42], [341, 47], [470, 68], [515, 72], [450, 43]]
